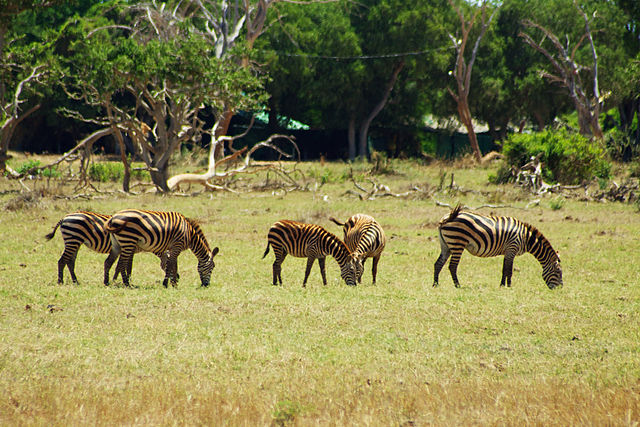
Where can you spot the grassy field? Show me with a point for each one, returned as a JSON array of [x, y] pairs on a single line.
[[243, 352]]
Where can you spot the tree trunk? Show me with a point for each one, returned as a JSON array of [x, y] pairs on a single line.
[[364, 127], [159, 177], [351, 136], [465, 117]]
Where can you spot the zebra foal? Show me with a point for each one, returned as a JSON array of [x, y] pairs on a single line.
[[488, 236], [365, 238], [312, 242], [169, 233]]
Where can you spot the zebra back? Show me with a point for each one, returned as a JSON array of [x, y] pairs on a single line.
[[84, 228], [363, 235], [307, 240]]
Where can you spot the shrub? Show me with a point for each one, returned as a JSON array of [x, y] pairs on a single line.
[[113, 171], [568, 158], [30, 165]]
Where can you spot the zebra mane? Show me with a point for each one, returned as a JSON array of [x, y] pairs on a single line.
[[543, 240], [198, 231]]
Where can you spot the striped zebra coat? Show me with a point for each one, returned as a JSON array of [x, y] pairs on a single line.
[[365, 238], [488, 236], [86, 228], [135, 230], [312, 242]]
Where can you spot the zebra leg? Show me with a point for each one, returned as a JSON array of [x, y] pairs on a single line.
[[277, 265], [69, 253], [72, 268], [453, 267], [440, 262], [172, 269], [61, 265], [507, 270], [308, 270], [113, 255], [322, 271], [374, 267], [360, 277], [125, 265]]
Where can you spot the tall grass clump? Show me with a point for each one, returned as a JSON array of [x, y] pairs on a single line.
[[568, 158]]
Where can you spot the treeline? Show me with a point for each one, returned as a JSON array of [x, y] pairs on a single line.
[[156, 76]]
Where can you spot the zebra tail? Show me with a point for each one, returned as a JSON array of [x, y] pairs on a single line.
[[111, 229], [266, 251], [336, 221], [452, 215], [53, 233]]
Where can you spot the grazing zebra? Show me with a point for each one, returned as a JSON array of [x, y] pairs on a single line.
[[365, 239], [86, 228], [135, 230], [312, 242], [487, 236]]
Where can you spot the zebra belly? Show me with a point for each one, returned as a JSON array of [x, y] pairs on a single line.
[[474, 249]]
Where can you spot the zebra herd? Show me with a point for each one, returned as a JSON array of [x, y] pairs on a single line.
[[167, 234]]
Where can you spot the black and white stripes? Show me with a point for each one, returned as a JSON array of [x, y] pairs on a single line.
[[365, 238], [488, 236], [135, 230], [312, 242]]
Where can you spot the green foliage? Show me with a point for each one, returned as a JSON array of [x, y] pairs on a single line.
[[113, 172], [286, 412], [30, 167], [568, 158]]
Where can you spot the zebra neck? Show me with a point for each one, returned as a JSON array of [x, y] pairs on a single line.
[[337, 249], [199, 246], [543, 251]]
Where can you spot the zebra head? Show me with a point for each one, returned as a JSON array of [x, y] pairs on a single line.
[[205, 267], [358, 259], [552, 274], [348, 270]]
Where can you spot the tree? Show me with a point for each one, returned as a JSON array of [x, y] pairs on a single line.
[[346, 61], [151, 74], [462, 69], [568, 73], [22, 68]]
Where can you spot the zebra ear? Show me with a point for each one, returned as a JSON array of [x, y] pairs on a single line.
[[214, 252]]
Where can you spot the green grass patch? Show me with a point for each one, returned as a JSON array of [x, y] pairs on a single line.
[[243, 352]]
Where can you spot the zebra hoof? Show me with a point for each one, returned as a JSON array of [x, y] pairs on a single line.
[[435, 284]]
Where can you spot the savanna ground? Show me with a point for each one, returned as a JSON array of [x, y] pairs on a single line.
[[243, 352]]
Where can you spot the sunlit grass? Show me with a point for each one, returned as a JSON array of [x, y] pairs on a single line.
[[243, 352]]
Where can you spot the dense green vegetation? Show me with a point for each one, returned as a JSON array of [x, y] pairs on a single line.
[[326, 65]]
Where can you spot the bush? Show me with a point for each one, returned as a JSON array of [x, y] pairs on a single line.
[[31, 165], [113, 171], [568, 158]]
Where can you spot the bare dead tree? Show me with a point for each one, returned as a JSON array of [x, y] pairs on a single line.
[[246, 162], [462, 69], [568, 71]]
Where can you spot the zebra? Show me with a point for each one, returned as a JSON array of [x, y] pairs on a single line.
[[86, 228], [487, 236], [365, 239], [134, 230], [312, 242]]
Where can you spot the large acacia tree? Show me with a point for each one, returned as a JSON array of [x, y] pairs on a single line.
[[151, 72]]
